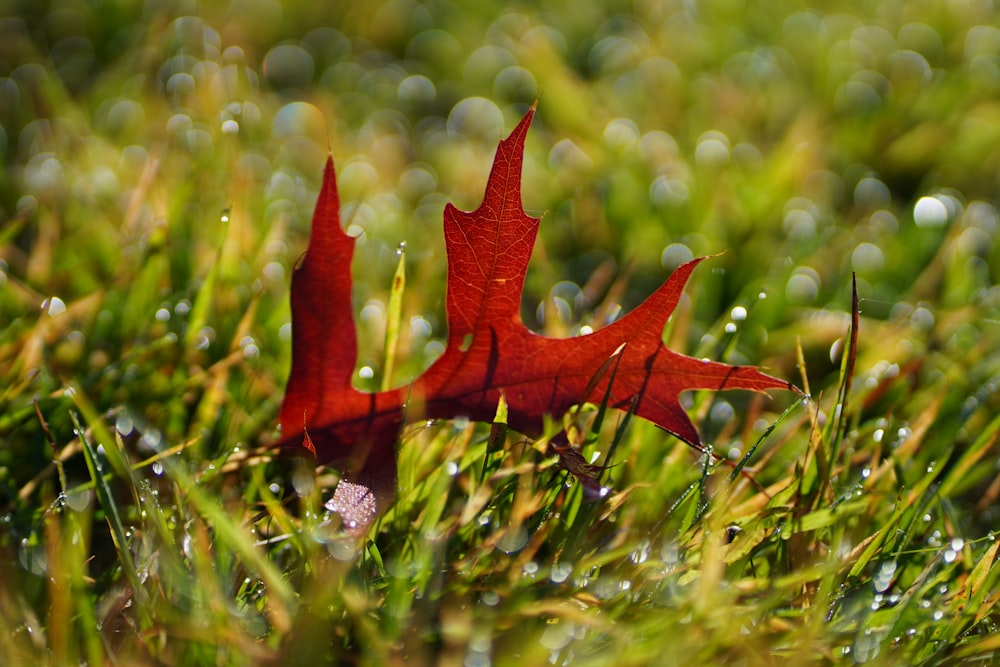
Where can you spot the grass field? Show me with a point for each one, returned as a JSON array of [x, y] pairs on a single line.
[[160, 162]]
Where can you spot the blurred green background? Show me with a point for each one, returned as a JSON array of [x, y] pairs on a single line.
[[159, 162], [150, 147]]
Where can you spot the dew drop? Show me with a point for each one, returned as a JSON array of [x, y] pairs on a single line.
[[151, 440], [274, 272], [930, 212], [344, 549], [124, 425], [303, 481], [560, 573], [512, 541], [883, 579], [640, 555], [670, 553], [53, 306], [79, 501]]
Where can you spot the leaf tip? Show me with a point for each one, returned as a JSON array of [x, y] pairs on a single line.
[[307, 442]]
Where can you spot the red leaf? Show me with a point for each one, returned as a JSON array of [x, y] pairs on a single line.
[[489, 350]]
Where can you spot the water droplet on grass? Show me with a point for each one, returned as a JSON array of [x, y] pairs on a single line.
[[124, 425], [867, 257], [640, 555], [344, 549], [803, 286], [274, 272], [513, 541], [556, 636], [675, 254], [79, 501], [150, 440], [54, 306], [32, 557], [203, 341], [560, 573], [670, 553], [883, 579], [930, 212], [712, 149], [303, 481], [722, 412]]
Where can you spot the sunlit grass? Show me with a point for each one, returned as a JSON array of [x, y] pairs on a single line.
[[159, 173]]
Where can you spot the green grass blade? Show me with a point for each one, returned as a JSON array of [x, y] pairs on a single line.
[[393, 316], [234, 536], [112, 514]]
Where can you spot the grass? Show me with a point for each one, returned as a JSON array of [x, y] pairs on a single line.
[[159, 169]]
